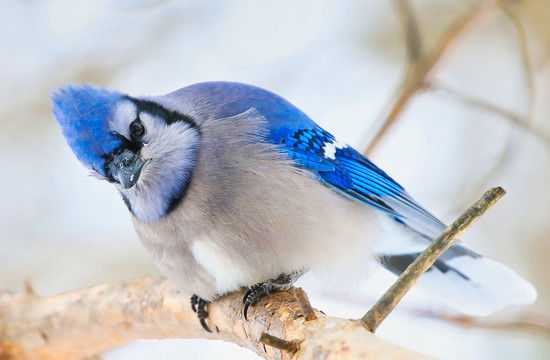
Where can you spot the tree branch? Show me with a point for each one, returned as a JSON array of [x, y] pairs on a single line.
[[510, 9], [517, 120], [385, 305], [407, 17], [84, 322], [418, 73]]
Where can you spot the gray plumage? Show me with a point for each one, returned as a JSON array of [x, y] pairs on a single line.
[[230, 185], [238, 226]]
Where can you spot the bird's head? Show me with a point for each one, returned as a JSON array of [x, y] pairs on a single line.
[[147, 150]]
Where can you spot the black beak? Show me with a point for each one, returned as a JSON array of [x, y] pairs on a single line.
[[126, 167]]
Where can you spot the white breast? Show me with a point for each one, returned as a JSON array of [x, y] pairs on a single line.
[[228, 272]]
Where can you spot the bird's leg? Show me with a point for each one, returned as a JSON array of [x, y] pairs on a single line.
[[263, 289], [198, 307]]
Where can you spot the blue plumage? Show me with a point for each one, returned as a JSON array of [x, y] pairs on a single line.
[[83, 113], [225, 99], [343, 169], [218, 210], [347, 171], [353, 175]]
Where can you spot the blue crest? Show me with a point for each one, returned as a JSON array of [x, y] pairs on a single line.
[[83, 113]]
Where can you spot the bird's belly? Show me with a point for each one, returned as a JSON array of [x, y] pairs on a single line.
[[229, 272]]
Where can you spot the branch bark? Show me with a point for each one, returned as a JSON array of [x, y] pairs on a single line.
[[85, 322]]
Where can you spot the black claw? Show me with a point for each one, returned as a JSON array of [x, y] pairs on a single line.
[[198, 307], [251, 297], [260, 290], [202, 314], [246, 295], [204, 326], [194, 302], [256, 293], [245, 310]]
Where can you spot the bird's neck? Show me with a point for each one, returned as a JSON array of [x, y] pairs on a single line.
[[159, 191]]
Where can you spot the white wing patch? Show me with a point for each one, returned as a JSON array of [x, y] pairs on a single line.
[[330, 149]]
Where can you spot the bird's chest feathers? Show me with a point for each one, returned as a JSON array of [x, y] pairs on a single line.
[[229, 272]]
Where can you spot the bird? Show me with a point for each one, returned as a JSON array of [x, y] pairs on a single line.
[[230, 186]]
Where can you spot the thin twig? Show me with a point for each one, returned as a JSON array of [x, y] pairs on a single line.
[[510, 10], [516, 119], [511, 140], [416, 76], [475, 102], [303, 301], [289, 346], [384, 306], [413, 42], [29, 289]]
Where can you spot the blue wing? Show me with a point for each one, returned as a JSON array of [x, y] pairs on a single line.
[[481, 286], [353, 175], [317, 151]]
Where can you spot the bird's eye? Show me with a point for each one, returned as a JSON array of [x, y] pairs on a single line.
[[137, 129]]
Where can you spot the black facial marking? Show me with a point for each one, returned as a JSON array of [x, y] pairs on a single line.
[[126, 201], [179, 198], [137, 130], [158, 111]]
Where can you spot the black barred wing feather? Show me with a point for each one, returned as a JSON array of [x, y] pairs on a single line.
[[460, 277], [347, 171]]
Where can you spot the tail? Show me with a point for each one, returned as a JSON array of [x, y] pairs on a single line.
[[467, 281], [460, 278]]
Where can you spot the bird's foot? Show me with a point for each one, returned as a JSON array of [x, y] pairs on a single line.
[[260, 290], [198, 306]]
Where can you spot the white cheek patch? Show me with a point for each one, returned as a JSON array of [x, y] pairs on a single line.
[[169, 144], [153, 127], [170, 150], [125, 113], [330, 149]]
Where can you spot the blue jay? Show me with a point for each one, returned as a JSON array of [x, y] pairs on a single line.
[[231, 186]]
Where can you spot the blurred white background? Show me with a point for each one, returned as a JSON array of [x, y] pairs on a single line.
[[480, 119]]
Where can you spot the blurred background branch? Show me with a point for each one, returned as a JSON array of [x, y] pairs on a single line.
[[420, 66], [419, 73], [455, 92]]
